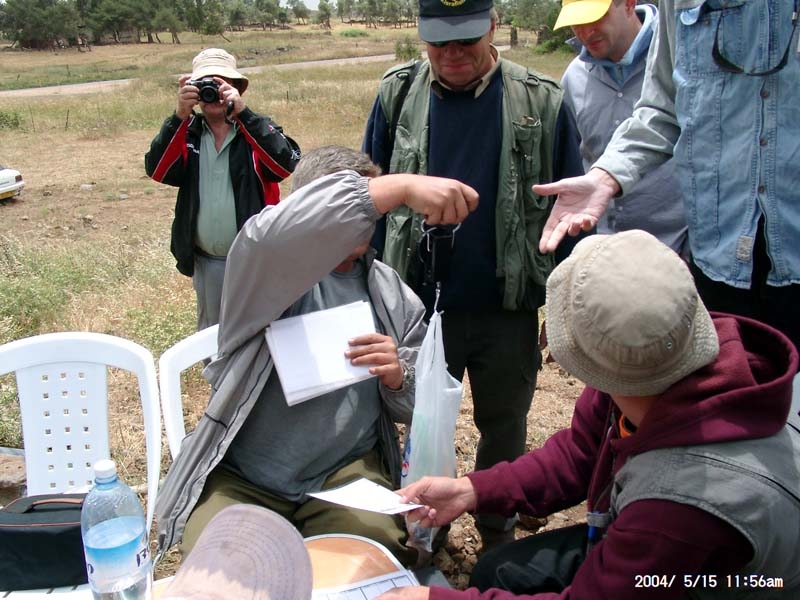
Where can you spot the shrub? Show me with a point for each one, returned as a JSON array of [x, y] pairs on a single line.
[[351, 33], [10, 119], [405, 49]]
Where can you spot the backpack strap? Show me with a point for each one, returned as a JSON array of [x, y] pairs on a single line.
[[406, 74]]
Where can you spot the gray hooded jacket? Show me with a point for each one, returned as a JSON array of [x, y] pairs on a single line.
[[277, 256]]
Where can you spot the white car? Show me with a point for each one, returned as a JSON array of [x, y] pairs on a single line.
[[11, 183]]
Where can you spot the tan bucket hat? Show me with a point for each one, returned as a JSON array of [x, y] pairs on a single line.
[[216, 61], [246, 552], [623, 315]]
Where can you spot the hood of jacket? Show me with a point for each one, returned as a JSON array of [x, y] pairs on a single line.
[[746, 393]]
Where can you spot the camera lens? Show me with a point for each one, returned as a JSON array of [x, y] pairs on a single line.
[[208, 93]]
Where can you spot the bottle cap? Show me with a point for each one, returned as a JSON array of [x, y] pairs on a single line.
[[105, 468]]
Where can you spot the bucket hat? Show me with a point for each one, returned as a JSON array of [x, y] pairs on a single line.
[[448, 20], [581, 12], [216, 61], [623, 315], [246, 552]]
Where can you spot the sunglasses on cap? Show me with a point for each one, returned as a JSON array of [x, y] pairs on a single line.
[[466, 42]]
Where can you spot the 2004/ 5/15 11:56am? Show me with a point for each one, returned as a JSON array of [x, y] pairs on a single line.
[[735, 581]]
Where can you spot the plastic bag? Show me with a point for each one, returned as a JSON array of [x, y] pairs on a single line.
[[430, 443]]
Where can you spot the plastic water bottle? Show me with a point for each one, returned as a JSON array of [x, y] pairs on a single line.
[[115, 538]]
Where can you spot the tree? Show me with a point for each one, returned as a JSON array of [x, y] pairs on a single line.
[[300, 11], [324, 14], [167, 19], [267, 12], [39, 23], [237, 15]]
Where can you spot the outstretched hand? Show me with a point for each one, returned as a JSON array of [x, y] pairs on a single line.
[[580, 203], [445, 499], [440, 200]]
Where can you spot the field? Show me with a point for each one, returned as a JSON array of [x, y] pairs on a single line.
[[86, 247]]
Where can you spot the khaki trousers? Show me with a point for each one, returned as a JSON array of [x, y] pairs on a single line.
[[313, 517]]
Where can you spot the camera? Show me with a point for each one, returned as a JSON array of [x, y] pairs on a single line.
[[208, 89]]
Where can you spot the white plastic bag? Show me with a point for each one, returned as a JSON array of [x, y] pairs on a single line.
[[430, 443]]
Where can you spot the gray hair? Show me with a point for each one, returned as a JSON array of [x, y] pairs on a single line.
[[325, 160]]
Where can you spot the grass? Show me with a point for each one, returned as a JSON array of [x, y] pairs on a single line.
[[24, 69]]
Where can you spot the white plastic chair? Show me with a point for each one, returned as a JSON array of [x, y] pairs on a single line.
[[63, 397], [189, 351]]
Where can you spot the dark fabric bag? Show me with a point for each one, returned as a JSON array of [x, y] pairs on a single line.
[[40, 542]]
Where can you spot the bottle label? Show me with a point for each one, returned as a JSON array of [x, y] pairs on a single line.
[[117, 554]]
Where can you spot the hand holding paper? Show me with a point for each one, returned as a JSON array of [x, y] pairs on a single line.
[[309, 350], [378, 352], [366, 495]]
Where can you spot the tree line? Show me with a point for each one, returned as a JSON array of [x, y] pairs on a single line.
[[51, 23]]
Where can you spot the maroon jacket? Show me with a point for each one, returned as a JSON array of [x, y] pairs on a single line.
[[746, 393]]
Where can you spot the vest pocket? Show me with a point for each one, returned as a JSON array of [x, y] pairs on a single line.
[[527, 139]]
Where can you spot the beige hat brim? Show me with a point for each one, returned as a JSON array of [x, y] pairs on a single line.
[[581, 12], [245, 552], [224, 71], [587, 364]]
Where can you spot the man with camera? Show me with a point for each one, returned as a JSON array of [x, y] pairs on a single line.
[[225, 161]]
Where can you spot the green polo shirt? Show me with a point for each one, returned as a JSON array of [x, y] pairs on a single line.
[[216, 217]]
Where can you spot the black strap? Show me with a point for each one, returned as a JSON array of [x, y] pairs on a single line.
[[42, 502], [435, 251]]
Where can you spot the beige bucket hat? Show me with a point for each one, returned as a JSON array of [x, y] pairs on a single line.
[[624, 316], [216, 61], [246, 552]]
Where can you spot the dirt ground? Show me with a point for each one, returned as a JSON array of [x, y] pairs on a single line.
[[83, 213]]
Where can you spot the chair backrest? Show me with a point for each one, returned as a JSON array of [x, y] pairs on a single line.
[[189, 351], [63, 398]]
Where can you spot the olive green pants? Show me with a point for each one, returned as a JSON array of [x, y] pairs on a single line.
[[313, 517]]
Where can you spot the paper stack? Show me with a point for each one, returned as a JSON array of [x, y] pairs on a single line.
[[308, 350]]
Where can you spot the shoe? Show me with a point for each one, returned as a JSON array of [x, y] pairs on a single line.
[[492, 538], [532, 524]]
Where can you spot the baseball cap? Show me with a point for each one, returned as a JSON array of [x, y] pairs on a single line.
[[447, 20], [246, 552], [623, 315], [581, 12], [216, 61]]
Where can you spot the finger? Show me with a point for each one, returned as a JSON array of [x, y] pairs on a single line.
[[547, 189], [472, 198], [386, 369], [367, 338], [550, 236], [373, 358]]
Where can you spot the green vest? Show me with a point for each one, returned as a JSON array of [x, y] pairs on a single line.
[[530, 108]]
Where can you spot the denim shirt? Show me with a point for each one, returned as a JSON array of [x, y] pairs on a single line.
[[736, 137]]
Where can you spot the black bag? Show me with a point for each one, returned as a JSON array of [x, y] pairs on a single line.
[[40, 542]]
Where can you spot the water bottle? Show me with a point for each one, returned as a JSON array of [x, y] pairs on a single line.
[[115, 538]]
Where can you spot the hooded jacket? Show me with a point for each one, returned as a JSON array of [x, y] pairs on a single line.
[[600, 103], [741, 399], [277, 257]]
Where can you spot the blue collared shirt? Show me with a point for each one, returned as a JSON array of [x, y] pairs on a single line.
[[736, 137]]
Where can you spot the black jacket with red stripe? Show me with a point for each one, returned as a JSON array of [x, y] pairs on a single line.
[[260, 156]]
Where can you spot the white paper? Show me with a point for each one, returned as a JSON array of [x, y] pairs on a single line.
[[367, 588], [308, 350], [366, 495]]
